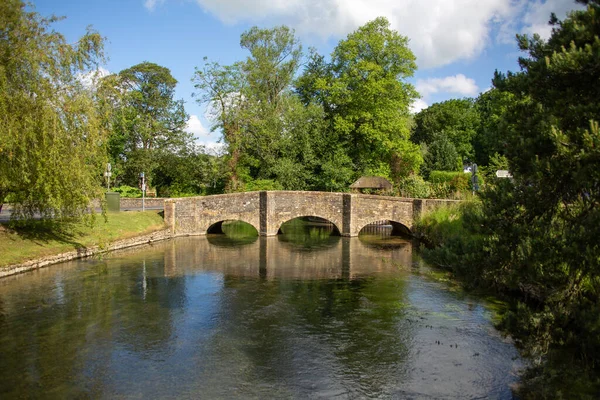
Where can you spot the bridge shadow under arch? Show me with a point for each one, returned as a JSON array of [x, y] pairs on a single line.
[[229, 233], [308, 233], [300, 224], [386, 228]]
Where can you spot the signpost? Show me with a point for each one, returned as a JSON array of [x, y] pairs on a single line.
[[502, 173], [108, 174], [143, 187], [474, 179]]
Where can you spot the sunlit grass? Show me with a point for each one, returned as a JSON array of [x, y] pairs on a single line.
[[20, 243]]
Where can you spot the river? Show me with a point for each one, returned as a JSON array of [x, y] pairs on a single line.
[[300, 315]]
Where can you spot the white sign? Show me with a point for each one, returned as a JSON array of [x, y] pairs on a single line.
[[502, 173]]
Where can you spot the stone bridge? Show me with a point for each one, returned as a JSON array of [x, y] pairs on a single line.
[[268, 210]]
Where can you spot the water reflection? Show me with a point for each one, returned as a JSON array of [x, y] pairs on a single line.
[[188, 318], [231, 234]]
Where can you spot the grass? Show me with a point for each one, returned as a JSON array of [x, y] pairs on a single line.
[[20, 243], [441, 225]]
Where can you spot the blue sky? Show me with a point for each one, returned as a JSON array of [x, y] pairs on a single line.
[[458, 43]]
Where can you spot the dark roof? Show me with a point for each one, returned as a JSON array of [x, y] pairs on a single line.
[[371, 182]]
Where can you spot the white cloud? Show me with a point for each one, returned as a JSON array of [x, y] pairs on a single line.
[[214, 148], [203, 137], [417, 106], [537, 14], [151, 4], [195, 127], [90, 79], [457, 84], [441, 31]]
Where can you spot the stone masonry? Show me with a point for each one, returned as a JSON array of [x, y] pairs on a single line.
[[268, 210]]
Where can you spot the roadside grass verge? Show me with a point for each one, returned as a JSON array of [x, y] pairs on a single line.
[[23, 242]]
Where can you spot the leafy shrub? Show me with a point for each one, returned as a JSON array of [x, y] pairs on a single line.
[[447, 182], [414, 186], [128, 191], [454, 239]]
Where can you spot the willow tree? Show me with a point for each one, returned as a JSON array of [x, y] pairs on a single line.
[[51, 135]]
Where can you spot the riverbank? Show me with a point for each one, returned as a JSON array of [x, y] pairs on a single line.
[[41, 243], [559, 340]]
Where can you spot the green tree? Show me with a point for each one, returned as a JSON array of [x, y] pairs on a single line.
[[147, 120], [542, 227], [252, 104], [441, 155], [51, 134], [365, 99], [458, 119], [222, 89], [274, 58], [189, 172], [371, 112], [489, 140]]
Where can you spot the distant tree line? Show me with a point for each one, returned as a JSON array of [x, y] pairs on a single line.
[[289, 119]]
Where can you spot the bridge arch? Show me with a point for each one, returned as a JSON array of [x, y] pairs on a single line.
[[398, 228], [217, 227], [336, 229], [285, 206]]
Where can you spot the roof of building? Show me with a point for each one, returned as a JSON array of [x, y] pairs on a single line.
[[371, 182]]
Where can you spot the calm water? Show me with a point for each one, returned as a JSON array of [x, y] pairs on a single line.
[[301, 315]]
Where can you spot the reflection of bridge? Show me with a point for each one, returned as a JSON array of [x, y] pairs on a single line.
[[268, 210], [272, 258]]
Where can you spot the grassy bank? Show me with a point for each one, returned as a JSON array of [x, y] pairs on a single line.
[[20, 243], [453, 241]]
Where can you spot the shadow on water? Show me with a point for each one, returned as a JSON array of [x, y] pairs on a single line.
[[309, 233], [231, 234], [385, 235]]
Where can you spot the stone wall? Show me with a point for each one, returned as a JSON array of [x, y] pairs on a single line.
[[367, 209], [150, 202], [83, 252], [129, 202]]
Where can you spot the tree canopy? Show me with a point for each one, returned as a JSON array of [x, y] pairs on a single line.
[[147, 122], [538, 232], [458, 119]]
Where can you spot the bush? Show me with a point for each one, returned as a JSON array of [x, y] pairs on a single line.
[[446, 183], [414, 186], [128, 191], [455, 241]]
